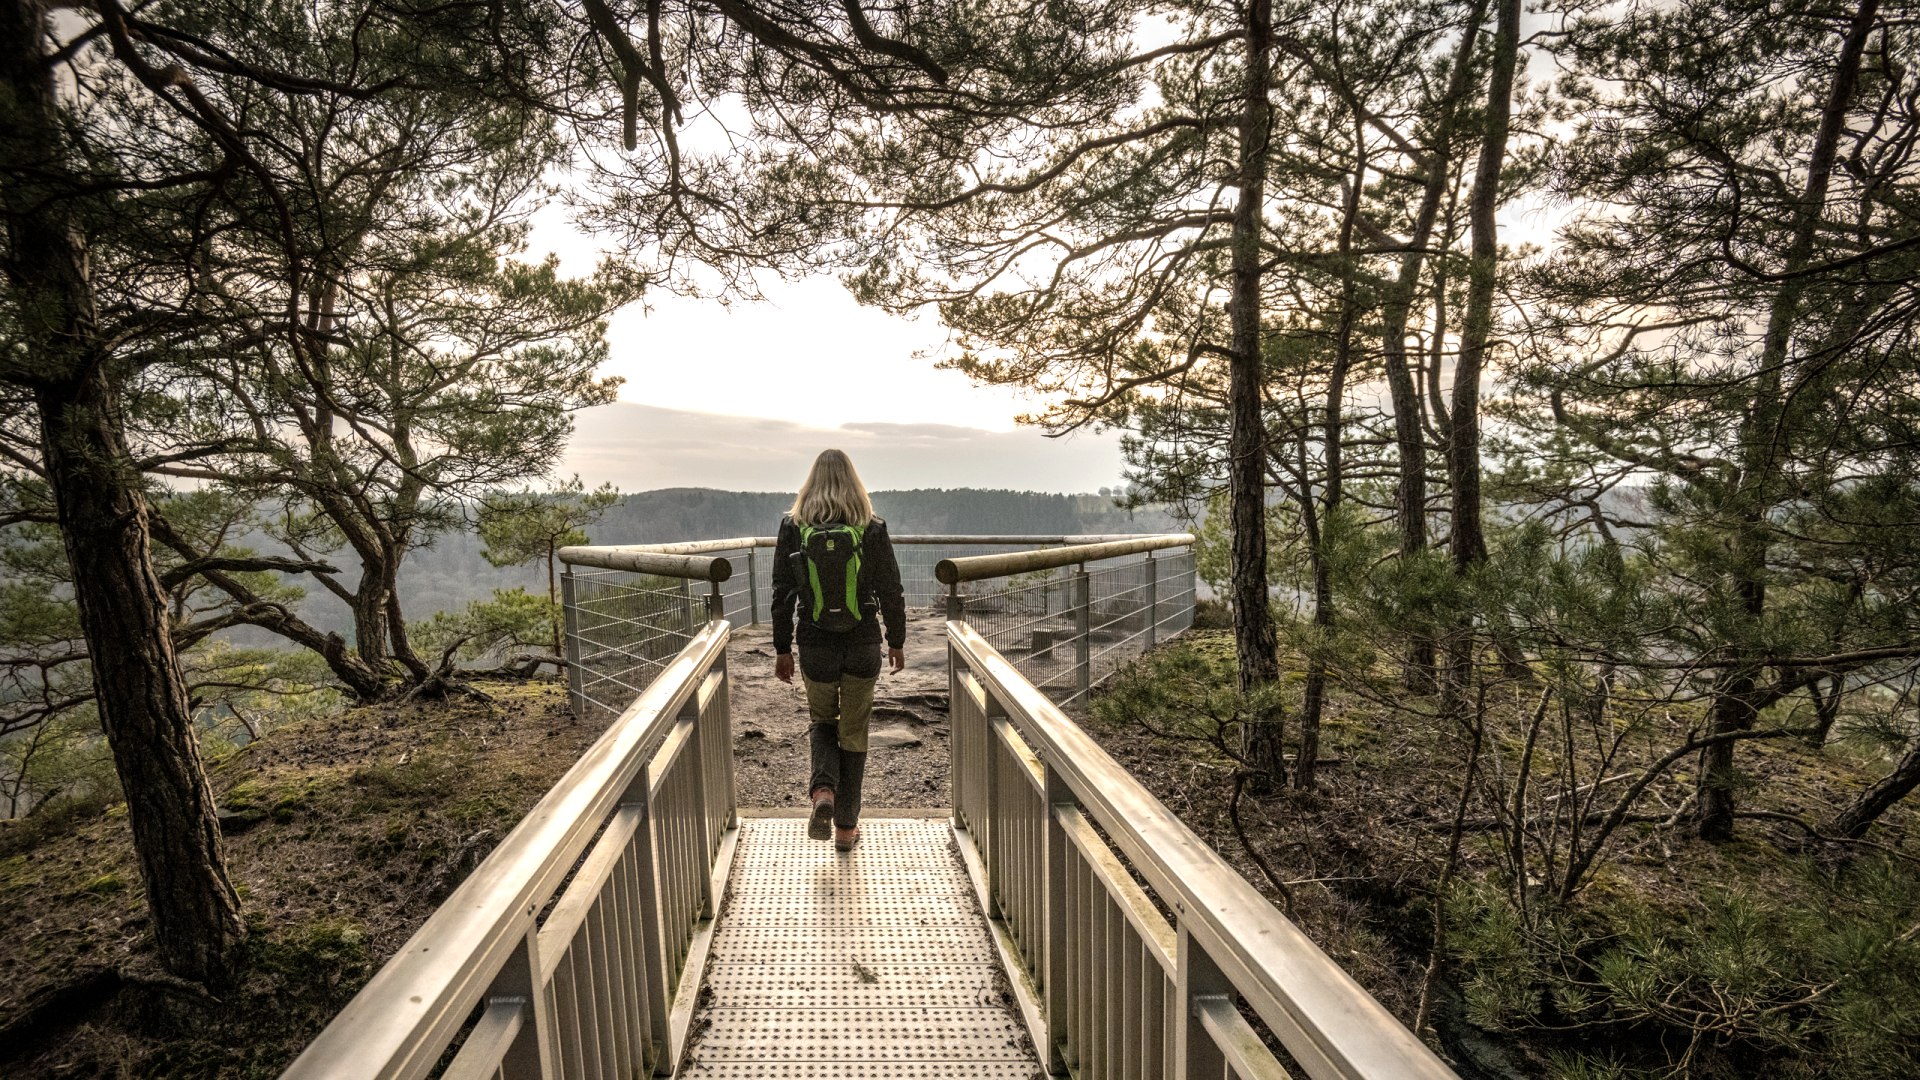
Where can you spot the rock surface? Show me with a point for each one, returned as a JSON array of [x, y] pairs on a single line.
[[908, 762]]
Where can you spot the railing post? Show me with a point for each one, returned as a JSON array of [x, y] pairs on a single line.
[[1058, 797], [753, 589], [1197, 979], [726, 740], [576, 680], [957, 710], [987, 840], [652, 945], [533, 1052], [1082, 632], [716, 603], [1190, 588], [1153, 597], [956, 607], [697, 750]]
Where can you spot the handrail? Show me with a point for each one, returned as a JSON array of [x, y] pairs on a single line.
[[401, 1022], [671, 559], [738, 543], [639, 560], [1330, 1025], [976, 567]]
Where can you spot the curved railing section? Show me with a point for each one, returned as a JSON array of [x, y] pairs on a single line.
[[1116, 987], [627, 857], [1069, 610]]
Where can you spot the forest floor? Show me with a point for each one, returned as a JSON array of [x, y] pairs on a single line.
[[1744, 948], [346, 831], [350, 828]]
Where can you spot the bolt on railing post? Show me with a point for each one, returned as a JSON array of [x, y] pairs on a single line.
[[1196, 980], [1082, 631], [1153, 597], [753, 589], [533, 1053], [1053, 839], [576, 681]]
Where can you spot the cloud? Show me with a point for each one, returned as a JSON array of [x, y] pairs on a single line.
[[643, 447], [916, 431]]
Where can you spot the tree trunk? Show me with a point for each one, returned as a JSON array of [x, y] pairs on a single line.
[[1753, 492], [1468, 542], [1731, 711], [1896, 785], [1332, 450], [1396, 310], [142, 696], [367, 684], [397, 630], [1253, 633], [370, 617], [1826, 708]]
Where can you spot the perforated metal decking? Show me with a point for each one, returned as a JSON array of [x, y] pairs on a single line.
[[869, 965]]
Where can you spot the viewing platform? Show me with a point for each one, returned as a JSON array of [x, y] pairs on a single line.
[[1056, 918]]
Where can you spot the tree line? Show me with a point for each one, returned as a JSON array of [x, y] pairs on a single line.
[[1566, 346]]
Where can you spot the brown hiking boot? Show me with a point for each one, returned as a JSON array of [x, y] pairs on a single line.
[[820, 825], [844, 839]]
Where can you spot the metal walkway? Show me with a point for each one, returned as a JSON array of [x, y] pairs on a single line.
[[1062, 921], [875, 963]]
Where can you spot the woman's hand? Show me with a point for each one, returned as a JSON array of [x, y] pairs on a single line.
[[896, 659], [783, 667]]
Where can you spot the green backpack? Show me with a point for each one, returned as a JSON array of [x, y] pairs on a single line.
[[830, 585]]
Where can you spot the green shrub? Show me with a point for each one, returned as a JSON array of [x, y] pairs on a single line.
[[1820, 976]]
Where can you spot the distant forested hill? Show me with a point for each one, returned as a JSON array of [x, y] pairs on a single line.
[[700, 513], [451, 572]]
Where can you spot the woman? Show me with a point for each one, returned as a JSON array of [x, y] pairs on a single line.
[[833, 567]]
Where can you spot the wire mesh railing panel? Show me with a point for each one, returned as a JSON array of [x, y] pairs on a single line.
[[1069, 629], [623, 628]]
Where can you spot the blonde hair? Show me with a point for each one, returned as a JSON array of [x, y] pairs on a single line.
[[832, 492]]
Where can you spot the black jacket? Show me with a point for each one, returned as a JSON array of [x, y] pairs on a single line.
[[880, 592]]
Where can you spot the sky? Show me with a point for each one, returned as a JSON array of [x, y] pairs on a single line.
[[742, 396]]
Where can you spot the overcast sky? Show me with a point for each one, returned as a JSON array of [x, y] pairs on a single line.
[[743, 396]]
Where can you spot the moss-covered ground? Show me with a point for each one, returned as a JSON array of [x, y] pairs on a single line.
[[344, 832]]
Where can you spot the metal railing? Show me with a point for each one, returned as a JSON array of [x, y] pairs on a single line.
[[628, 613], [1067, 628], [1116, 988], [640, 833], [630, 608]]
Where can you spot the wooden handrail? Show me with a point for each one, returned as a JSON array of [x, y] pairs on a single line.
[[692, 558], [976, 567]]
